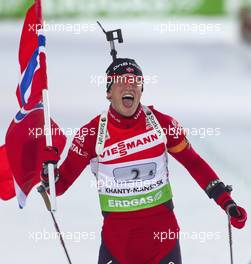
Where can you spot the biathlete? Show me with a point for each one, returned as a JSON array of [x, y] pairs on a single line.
[[127, 148]]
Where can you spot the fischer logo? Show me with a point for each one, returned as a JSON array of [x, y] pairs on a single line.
[[155, 125], [130, 146], [136, 202], [102, 131]]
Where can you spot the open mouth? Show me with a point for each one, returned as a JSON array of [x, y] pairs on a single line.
[[127, 100]]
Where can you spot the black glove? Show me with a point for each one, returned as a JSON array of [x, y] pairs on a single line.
[[238, 215]]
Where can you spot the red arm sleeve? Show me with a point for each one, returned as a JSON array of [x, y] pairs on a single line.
[[196, 166], [82, 150], [182, 151], [201, 172]]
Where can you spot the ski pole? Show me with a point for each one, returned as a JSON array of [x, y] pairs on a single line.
[[229, 189], [46, 199], [230, 239]]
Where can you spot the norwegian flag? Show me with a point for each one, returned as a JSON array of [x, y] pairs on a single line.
[[32, 62], [21, 155]]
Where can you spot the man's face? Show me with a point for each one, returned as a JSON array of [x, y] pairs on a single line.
[[125, 94]]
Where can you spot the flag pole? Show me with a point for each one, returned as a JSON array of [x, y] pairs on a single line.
[[47, 116], [48, 136]]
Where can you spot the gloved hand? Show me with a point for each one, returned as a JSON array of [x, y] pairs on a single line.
[[221, 194], [49, 156], [238, 215]]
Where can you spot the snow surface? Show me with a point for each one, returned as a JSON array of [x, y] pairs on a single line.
[[203, 81]]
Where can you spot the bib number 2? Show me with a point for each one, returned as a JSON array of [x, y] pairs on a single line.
[[139, 172]]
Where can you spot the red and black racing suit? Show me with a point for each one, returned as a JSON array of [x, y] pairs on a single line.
[[133, 237]]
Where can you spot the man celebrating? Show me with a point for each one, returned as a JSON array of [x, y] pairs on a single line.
[[127, 148]]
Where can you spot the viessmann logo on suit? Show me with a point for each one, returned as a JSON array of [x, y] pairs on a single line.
[[129, 146]]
